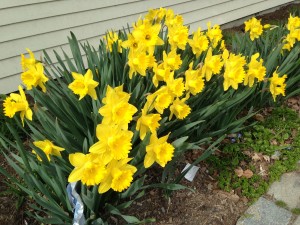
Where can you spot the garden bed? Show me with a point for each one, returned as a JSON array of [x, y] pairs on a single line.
[[207, 204]]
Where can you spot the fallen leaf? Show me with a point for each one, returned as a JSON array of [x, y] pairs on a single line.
[[274, 142], [259, 117], [256, 157], [266, 158], [239, 171], [248, 173]]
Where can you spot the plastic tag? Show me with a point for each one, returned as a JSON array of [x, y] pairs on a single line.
[[190, 175]]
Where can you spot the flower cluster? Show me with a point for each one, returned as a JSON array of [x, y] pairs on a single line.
[[33, 74], [175, 69], [255, 28], [293, 26]]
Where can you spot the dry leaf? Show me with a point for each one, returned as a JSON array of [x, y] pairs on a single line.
[[259, 117], [274, 142], [256, 157], [248, 173], [239, 171], [266, 158]]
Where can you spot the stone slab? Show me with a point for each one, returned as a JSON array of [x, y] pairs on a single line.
[[297, 221], [287, 189], [265, 212]]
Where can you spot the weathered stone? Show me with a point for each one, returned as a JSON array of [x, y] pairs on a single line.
[[265, 212], [297, 221], [287, 189]]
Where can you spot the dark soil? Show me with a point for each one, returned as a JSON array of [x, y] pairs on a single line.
[[207, 205]]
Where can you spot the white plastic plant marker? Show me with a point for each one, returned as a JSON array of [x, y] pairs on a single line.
[[190, 175]]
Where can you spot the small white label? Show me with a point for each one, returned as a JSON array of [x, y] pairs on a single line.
[[190, 175]]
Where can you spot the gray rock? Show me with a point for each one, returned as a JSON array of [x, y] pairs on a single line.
[[287, 189], [265, 212]]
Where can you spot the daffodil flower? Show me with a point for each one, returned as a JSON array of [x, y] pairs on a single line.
[[17, 103], [84, 85]]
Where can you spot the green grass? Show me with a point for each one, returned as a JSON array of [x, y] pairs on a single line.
[[296, 211]]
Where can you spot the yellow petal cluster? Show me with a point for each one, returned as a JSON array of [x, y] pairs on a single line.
[[89, 168], [199, 42], [293, 26], [17, 103], [277, 85], [84, 85], [234, 73], [119, 175], [33, 72], [158, 150], [212, 65], [255, 70], [116, 109], [48, 148], [179, 108], [147, 122], [114, 142], [194, 82], [254, 27], [111, 38], [214, 34]]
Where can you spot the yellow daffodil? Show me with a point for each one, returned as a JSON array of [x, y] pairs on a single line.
[[133, 44], [17, 103], [199, 43], [48, 148], [234, 73], [179, 108], [147, 122], [293, 26], [171, 60], [255, 70], [277, 85], [254, 27], [147, 34], [115, 94], [161, 99], [214, 34], [89, 168], [172, 20], [112, 38], [84, 85], [27, 62], [193, 80], [114, 142], [161, 73], [34, 76], [212, 65], [178, 37], [158, 150], [138, 63], [176, 86], [118, 177], [293, 23], [117, 110]]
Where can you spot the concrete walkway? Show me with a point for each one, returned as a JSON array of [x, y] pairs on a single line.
[[278, 205]]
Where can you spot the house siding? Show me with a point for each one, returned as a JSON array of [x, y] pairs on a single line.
[[45, 24]]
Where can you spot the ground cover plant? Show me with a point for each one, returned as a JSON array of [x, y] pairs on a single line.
[[260, 155], [144, 97]]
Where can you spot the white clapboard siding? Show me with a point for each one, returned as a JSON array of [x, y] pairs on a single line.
[[45, 24]]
